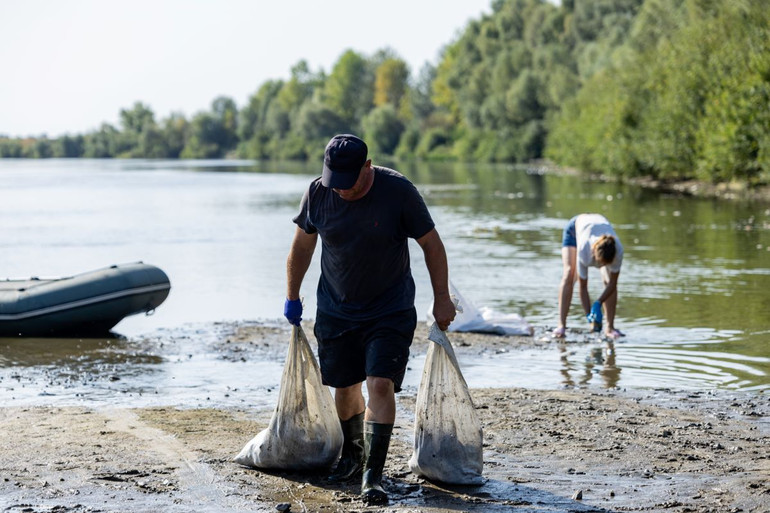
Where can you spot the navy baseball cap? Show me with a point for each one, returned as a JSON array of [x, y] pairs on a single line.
[[344, 157]]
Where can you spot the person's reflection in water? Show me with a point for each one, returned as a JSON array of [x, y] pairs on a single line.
[[610, 372], [566, 366], [600, 360]]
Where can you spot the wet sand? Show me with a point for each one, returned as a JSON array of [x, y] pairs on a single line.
[[573, 450]]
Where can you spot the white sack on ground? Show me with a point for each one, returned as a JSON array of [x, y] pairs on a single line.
[[484, 319], [447, 431], [304, 431]]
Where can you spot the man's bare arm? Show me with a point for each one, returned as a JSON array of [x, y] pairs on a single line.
[[438, 269], [298, 261]]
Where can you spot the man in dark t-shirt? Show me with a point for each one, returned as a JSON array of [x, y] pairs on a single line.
[[366, 317]]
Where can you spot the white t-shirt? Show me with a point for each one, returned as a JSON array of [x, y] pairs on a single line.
[[588, 229]]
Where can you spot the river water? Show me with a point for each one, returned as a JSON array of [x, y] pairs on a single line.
[[694, 288]]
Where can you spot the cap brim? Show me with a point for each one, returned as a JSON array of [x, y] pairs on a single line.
[[338, 179]]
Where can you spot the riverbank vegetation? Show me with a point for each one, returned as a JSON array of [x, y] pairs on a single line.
[[667, 89]]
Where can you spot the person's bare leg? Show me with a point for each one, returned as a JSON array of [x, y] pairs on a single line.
[[349, 401], [610, 305], [382, 400], [566, 287]]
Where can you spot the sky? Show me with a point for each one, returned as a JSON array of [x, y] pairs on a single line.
[[67, 66]]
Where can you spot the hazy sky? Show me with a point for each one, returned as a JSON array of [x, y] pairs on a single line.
[[66, 66]]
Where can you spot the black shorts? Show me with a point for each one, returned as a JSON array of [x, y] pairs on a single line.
[[349, 351]]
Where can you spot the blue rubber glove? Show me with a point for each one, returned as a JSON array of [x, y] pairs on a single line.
[[596, 311], [292, 310], [595, 316]]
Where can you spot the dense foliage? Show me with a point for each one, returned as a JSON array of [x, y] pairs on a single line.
[[666, 88], [688, 96]]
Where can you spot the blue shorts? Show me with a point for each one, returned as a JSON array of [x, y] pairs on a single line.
[[349, 351], [568, 236]]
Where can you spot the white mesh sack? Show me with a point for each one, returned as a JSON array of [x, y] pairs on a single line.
[[304, 431], [447, 431]]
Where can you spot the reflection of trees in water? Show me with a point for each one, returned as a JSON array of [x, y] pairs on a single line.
[[600, 360]]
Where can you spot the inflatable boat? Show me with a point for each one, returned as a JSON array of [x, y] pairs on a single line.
[[90, 303]]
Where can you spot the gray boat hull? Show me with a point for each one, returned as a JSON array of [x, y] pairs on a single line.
[[90, 303]]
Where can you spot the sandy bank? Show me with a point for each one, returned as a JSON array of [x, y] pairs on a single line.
[[657, 450]]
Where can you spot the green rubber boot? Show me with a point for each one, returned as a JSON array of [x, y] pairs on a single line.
[[352, 460], [376, 442]]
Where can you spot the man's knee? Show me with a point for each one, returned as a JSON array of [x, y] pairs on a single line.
[[348, 394], [380, 387]]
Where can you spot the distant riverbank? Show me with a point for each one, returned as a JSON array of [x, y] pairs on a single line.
[[728, 191]]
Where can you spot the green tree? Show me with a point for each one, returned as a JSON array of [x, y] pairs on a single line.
[[69, 146], [382, 129], [10, 148], [446, 83], [212, 134], [299, 88], [134, 122], [687, 96], [202, 142], [391, 83], [254, 114], [277, 120], [102, 143], [225, 114], [41, 148], [137, 119], [522, 100], [419, 95], [509, 74], [348, 90], [254, 130], [152, 144], [317, 123], [175, 129]]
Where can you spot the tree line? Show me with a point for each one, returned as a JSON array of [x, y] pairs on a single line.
[[672, 89], [687, 96]]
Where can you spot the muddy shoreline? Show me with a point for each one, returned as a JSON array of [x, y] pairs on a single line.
[[571, 449], [732, 191]]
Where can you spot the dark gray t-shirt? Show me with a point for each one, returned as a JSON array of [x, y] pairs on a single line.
[[365, 271]]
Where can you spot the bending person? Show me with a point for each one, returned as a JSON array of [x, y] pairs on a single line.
[[589, 240]]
